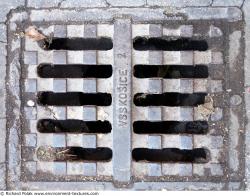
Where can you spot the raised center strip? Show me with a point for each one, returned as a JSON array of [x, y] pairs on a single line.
[[122, 101]]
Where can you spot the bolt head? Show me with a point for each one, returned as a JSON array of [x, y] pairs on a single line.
[[235, 100]]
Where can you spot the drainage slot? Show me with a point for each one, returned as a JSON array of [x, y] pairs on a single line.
[[74, 99], [197, 155], [101, 43], [74, 154], [73, 126], [170, 127], [169, 99], [169, 44], [170, 71], [74, 71]]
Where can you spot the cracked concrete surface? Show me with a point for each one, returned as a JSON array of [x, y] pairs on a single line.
[[60, 10]]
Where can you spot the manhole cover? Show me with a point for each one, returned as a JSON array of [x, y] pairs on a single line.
[[125, 102]]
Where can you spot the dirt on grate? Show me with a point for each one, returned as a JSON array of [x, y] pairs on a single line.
[[34, 34], [206, 109]]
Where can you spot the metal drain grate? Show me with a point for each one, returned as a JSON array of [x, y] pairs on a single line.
[[136, 103], [172, 136], [71, 89], [170, 85], [197, 155]]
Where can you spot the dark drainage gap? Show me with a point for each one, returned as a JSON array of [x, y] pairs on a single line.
[[170, 127], [74, 154], [169, 44], [101, 43], [169, 99], [170, 71], [197, 155], [74, 71], [74, 99], [73, 126]]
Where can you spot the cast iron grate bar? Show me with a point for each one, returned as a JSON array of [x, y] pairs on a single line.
[[74, 99], [74, 154], [73, 126], [101, 43], [169, 99], [170, 71], [170, 127], [169, 44], [74, 71], [197, 155]]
